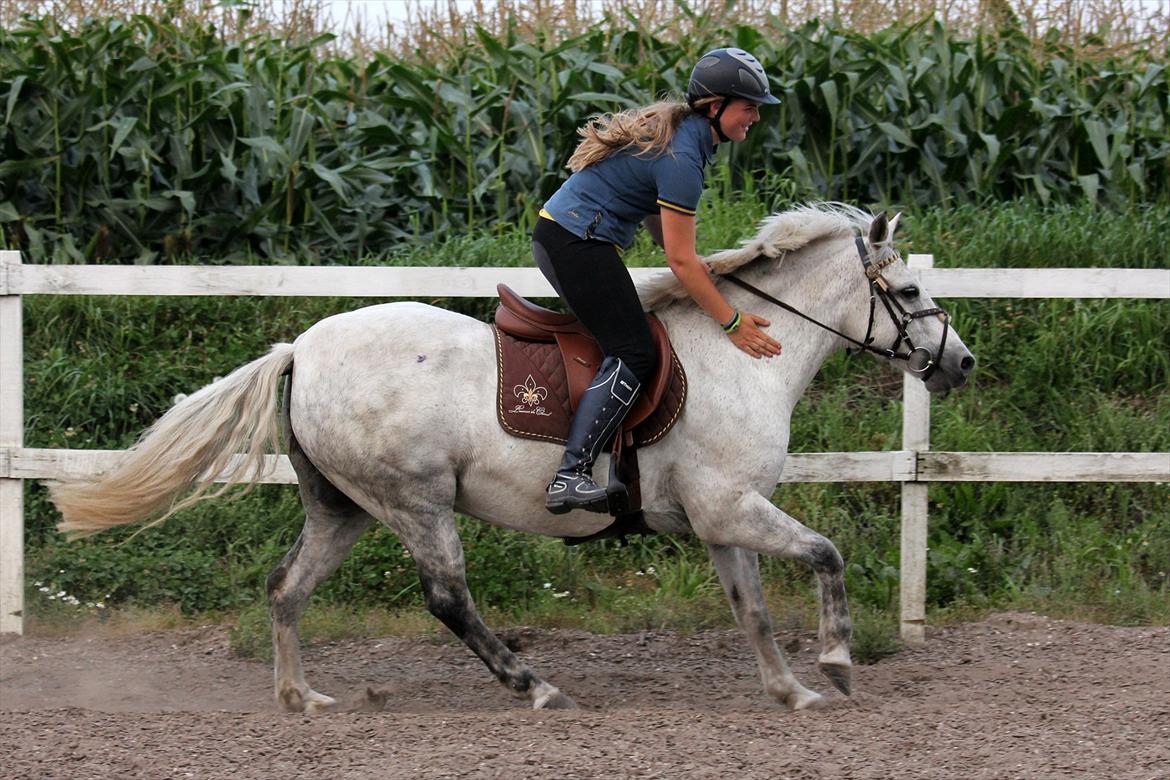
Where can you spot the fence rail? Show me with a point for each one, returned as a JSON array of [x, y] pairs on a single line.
[[914, 466], [481, 282]]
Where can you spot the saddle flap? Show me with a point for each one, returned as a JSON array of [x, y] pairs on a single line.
[[582, 358], [656, 386], [545, 355]]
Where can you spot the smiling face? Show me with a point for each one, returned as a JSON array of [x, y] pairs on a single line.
[[738, 117]]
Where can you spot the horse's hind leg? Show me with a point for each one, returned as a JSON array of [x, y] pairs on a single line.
[[333, 523], [739, 571], [434, 543]]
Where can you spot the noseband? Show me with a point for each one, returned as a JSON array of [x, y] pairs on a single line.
[[920, 360]]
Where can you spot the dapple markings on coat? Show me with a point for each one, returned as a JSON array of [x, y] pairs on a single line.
[[389, 416]]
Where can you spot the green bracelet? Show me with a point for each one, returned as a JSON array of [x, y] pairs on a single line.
[[733, 324]]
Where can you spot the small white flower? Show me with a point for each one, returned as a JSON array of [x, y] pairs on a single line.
[[547, 585], [972, 570], [560, 595], [43, 589], [651, 570]]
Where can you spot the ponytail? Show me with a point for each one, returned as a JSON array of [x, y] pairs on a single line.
[[648, 129]]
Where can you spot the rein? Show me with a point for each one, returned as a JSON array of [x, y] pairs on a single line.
[[920, 360]]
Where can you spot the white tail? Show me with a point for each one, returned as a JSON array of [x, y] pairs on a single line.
[[184, 452]]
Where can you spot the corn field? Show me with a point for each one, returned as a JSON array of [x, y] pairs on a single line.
[[146, 140]]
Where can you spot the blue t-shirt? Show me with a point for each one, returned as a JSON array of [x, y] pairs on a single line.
[[609, 199]]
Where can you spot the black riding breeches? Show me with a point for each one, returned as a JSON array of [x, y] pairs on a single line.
[[591, 278]]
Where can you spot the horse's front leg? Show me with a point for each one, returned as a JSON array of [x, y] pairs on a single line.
[[739, 571], [756, 524]]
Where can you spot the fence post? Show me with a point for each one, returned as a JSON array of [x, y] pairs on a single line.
[[916, 438], [11, 439]]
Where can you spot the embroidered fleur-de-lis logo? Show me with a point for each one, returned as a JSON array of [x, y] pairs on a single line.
[[529, 392]]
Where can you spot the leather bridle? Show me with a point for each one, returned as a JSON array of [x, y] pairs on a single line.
[[920, 360]]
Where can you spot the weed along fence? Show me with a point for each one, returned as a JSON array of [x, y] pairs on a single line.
[[914, 466]]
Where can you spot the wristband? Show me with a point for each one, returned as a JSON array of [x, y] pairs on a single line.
[[733, 324]]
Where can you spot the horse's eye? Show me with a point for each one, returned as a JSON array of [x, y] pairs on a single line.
[[910, 293]]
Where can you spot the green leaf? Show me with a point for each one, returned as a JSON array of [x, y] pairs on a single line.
[[124, 126], [13, 94], [186, 200], [32, 165], [897, 133], [270, 145], [1099, 140], [228, 169], [333, 179], [1091, 185], [992, 144], [829, 91], [491, 45], [609, 71]]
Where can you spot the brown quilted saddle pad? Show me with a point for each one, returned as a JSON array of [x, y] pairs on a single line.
[[546, 359]]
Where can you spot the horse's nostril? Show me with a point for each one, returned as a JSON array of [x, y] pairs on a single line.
[[966, 364]]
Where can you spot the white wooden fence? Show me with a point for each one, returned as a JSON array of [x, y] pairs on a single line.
[[915, 466]]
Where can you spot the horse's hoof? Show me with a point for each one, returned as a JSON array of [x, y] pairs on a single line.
[[316, 703], [554, 700], [840, 674], [805, 700], [294, 699]]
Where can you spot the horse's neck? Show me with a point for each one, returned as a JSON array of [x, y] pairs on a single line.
[[812, 280]]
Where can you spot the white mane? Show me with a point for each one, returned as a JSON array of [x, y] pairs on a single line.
[[779, 233]]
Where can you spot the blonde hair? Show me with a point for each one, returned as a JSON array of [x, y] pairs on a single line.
[[648, 129]]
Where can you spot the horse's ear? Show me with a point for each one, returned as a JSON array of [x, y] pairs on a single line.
[[894, 224], [878, 229]]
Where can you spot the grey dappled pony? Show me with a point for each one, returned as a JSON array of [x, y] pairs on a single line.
[[389, 416]]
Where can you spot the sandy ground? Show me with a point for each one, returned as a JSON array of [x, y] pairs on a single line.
[[1015, 696]]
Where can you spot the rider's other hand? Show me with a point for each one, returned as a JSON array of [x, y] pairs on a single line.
[[751, 339]]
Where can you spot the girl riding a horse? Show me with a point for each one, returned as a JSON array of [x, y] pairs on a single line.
[[642, 165]]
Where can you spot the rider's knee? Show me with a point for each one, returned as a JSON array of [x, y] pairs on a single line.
[[642, 360]]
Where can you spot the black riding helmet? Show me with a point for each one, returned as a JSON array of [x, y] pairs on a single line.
[[728, 73]]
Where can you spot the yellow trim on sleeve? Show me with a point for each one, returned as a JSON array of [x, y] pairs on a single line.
[[547, 216], [675, 207]]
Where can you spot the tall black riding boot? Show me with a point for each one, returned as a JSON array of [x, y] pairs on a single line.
[[600, 413]]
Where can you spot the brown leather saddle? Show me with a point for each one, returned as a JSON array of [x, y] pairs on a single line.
[[546, 359]]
